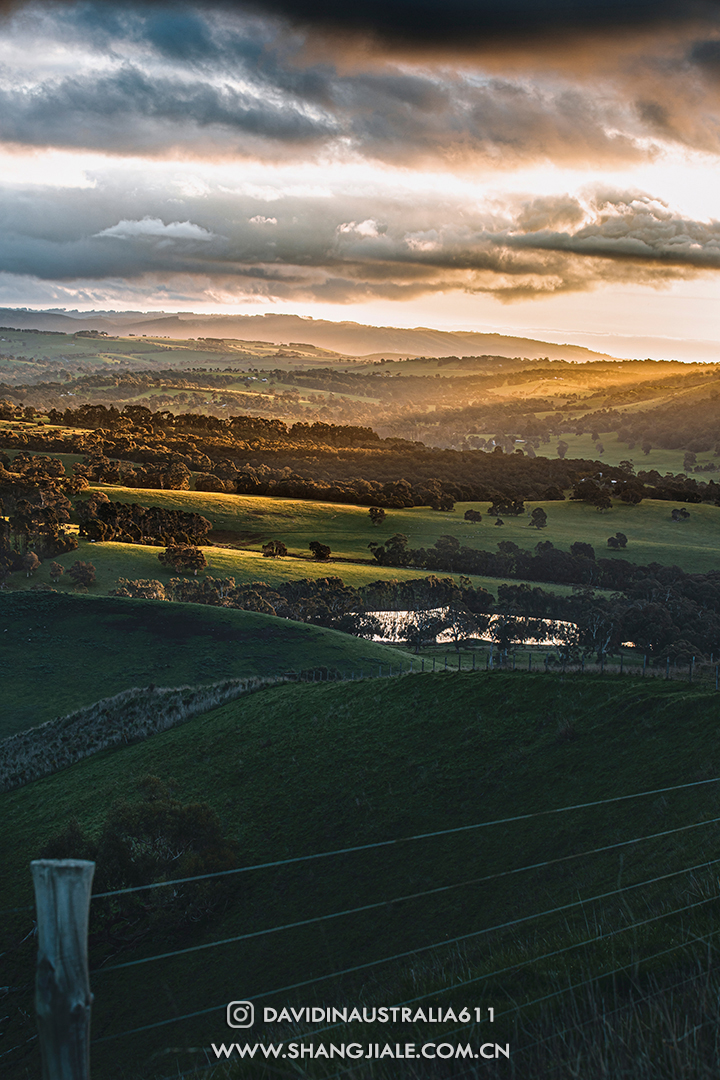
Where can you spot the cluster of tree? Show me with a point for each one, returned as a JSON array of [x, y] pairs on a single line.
[[335, 463], [663, 611], [172, 473], [130, 523], [32, 495], [325, 601], [545, 562], [689, 423]]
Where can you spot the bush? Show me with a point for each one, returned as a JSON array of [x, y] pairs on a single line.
[[153, 838], [82, 573]]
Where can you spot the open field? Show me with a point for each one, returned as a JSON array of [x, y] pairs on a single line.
[[653, 536], [614, 451], [113, 561], [297, 770], [61, 652]]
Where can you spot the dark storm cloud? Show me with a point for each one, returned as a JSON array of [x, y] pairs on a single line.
[[455, 22], [463, 21], [706, 55]]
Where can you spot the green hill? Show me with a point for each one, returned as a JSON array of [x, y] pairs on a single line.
[[302, 769], [62, 651], [250, 521]]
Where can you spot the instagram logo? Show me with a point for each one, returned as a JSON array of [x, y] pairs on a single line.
[[240, 1014]]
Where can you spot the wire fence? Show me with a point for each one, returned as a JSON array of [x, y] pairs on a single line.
[[685, 878], [697, 670], [524, 921]]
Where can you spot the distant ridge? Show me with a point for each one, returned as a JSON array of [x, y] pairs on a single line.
[[352, 339]]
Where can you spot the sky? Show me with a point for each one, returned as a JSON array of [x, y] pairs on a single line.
[[538, 166]]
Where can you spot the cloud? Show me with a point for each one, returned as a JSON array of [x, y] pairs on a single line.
[[153, 228], [347, 246], [425, 22], [218, 80], [460, 22]]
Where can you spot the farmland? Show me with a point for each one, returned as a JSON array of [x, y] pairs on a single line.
[[304, 769], [79, 649], [251, 521]]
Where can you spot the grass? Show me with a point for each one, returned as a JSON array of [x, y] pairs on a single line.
[[113, 561], [294, 770], [652, 535], [62, 652], [614, 451]]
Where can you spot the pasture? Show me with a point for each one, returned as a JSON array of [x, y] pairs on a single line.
[[298, 770], [249, 521], [62, 652]]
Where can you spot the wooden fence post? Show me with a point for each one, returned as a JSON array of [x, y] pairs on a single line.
[[62, 986]]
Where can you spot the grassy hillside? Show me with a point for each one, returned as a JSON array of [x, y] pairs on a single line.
[[250, 521], [304, 769], [614, 451], [140, 561], [61, 652]]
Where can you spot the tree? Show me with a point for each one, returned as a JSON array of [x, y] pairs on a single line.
[[422, 628], [505, 630], [619, 540], [30, 563], [462, 624], [582, 551], [508, 507], [321, 552], [273, 549], [538, 518], [56, 571], [181, 557], [632, 494], [473, 516], [562, 449], [592, 492], [394, 552], [680, 514], [82, 573], [646, 447], [359, 624], [377, 515]]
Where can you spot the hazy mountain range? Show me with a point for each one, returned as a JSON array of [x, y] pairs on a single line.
[[349, 338]]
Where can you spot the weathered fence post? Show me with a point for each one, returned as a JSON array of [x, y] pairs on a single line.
[[62, 986]]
